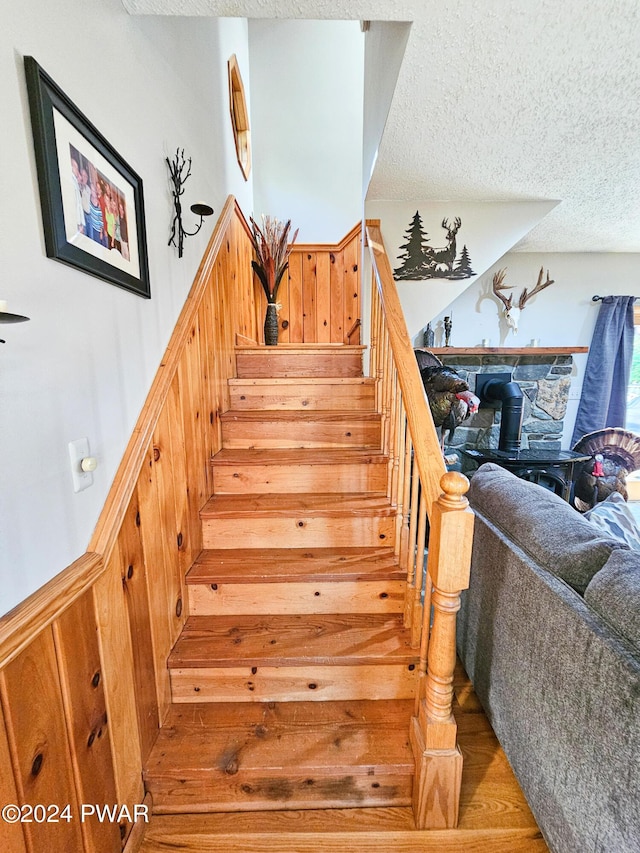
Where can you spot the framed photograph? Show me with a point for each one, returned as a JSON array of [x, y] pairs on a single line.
[[92, 204]]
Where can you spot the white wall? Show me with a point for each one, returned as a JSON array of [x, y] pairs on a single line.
[[306, 124], [385, 43], [83, 365], [561, 315]]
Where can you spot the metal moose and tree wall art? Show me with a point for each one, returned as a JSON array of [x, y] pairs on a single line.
[[420, 261]]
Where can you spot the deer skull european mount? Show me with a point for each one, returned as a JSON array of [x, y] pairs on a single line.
[[511, 312]]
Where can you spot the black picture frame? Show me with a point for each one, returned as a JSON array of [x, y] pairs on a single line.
[[73, 205]]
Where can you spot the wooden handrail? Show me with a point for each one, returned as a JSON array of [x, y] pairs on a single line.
[[426, 445], [336, 247], [21, 625], [356, 326], [421, 488]]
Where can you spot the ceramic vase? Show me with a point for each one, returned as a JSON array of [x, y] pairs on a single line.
[[271, 325]]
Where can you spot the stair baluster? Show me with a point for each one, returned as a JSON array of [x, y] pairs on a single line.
[[450, 523]]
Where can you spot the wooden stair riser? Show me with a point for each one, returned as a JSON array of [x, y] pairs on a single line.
[[272, 793], [299, 531], [299, 478], [290, 598], [291, 361], [303, 395], [313, 682], [353, 430]]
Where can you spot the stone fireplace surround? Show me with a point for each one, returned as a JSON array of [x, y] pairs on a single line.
[[543, 374]]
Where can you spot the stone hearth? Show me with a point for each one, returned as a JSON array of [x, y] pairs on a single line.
[[545, 380]]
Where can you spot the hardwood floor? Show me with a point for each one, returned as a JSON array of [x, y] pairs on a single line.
[[494, 816]]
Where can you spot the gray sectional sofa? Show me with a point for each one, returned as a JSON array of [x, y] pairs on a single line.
[[549, 633]]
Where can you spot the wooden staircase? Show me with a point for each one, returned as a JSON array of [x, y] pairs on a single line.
[[293, 679]]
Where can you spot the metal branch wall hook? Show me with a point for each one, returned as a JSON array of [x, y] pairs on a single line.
[[179, 171]]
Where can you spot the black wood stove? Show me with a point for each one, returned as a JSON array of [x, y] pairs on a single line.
[[553, 469]]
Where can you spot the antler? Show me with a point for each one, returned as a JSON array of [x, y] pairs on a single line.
[[457, 222], [525, 296], [498, 286]]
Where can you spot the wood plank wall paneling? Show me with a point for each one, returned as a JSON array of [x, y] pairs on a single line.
[[129, 565], [127, 697], [320, 295], [83, 678], [11, 834], [352, 307], [88, 725], [37, 733], [309, 296], [294, 281], [338, 297], [155, 596]]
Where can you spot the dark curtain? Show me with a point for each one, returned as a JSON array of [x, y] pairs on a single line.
[[604, 391]]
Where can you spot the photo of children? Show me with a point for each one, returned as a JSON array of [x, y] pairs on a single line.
[[100, 207]]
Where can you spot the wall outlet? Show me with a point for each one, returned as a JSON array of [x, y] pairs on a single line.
[[79, 450]]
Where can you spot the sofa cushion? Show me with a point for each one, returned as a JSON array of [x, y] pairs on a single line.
[[539, 522], [614, 593], [613, 517]]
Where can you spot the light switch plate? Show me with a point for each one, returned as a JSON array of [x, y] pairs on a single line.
[[77, 452]]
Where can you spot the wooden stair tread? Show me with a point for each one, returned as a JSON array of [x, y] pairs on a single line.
[[298, 456], [162, 836], [294, 565], [282, 755], [513, 817], [280, 737], [276, 504], [286, 640], [280, 822]]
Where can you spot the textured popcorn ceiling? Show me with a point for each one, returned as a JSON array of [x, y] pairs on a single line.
[[503, 100]]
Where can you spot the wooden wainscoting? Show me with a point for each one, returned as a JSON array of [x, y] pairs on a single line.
[[83, 676], [320, 297], [55, 730]]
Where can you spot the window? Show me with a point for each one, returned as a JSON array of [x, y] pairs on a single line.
[[633, 392], [633, 402]]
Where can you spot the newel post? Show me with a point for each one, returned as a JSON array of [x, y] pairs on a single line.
[[436, 792]]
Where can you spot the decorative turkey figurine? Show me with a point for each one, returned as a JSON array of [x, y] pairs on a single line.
[[450, 399], [616, 453]]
